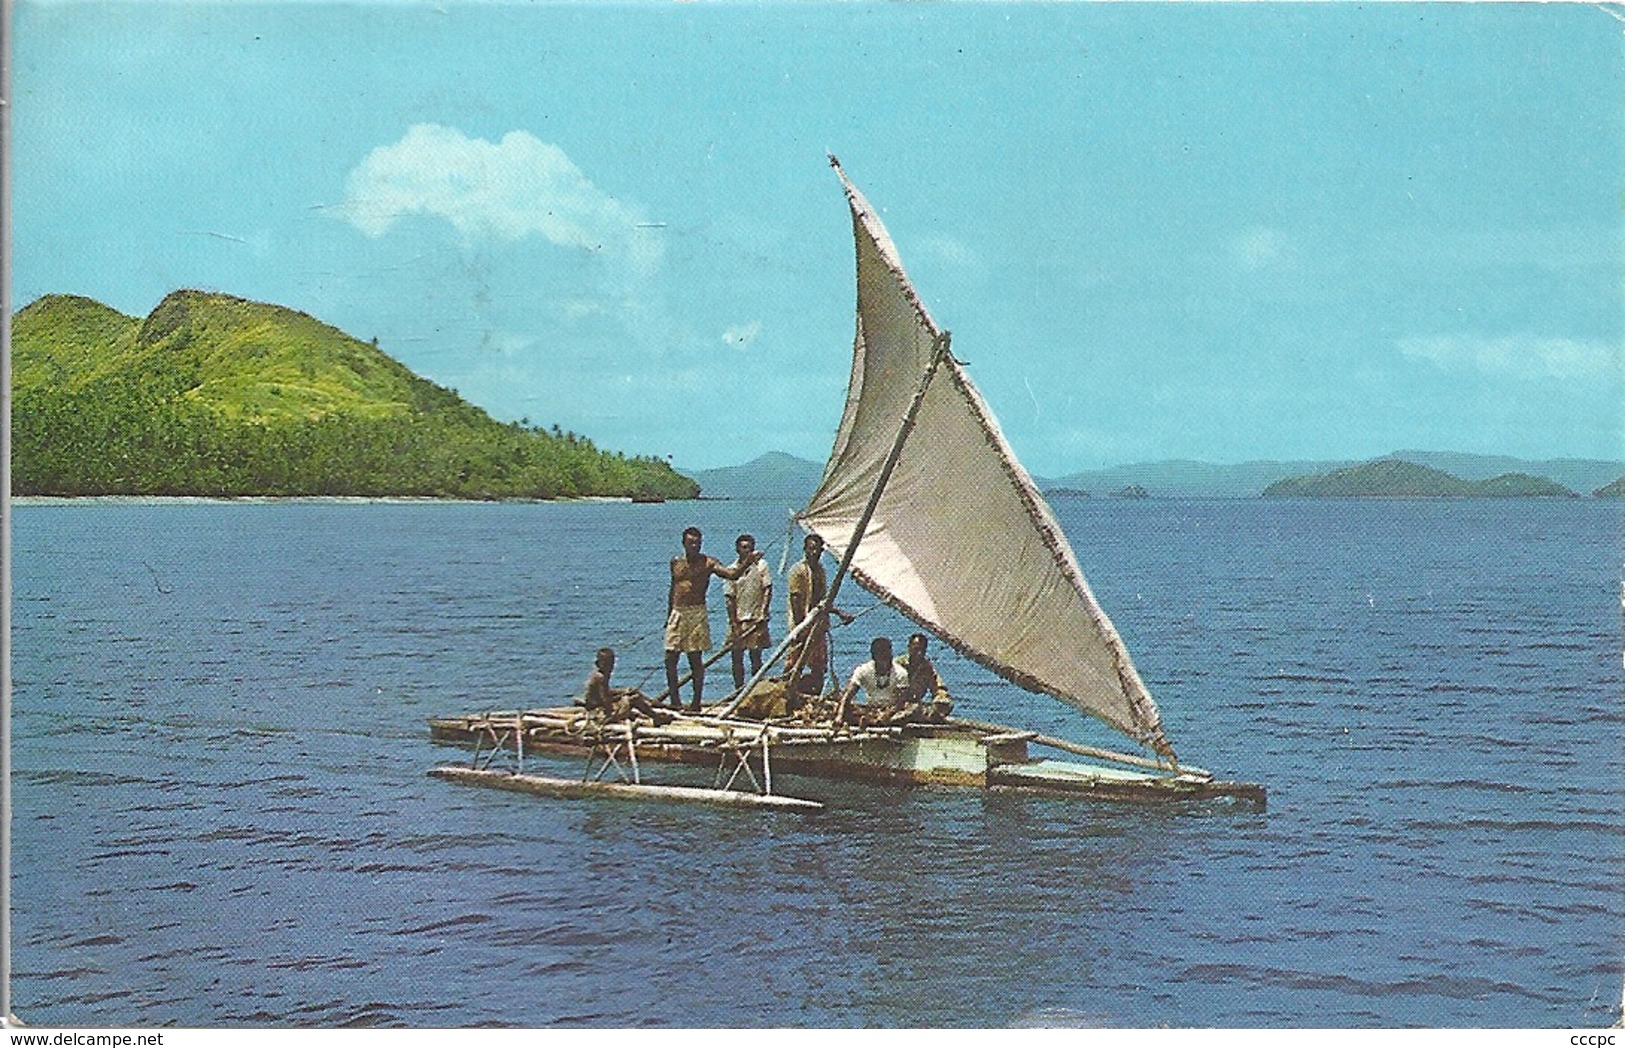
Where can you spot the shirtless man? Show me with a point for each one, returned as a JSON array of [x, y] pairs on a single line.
[[616, 703], [927, 697], [808, 586], [688, 625]]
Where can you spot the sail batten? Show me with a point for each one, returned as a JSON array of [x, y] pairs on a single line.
[[960, 540]]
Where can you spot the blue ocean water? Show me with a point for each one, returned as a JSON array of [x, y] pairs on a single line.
[[220, 812]]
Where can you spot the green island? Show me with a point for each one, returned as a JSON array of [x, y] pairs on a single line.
[[1397, 478], [212, 395], [1615, 490]]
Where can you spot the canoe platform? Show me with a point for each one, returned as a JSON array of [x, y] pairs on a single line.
[[750, 753]]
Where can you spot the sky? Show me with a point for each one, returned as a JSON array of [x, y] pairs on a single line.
[[1218, 232]]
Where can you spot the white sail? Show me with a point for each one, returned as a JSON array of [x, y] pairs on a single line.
[[960, 541]]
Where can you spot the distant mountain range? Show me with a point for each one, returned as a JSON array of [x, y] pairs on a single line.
[[1240, 480], [210, 394], [791, 480]]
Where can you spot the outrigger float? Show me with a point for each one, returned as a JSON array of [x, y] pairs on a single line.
[[950, 531]]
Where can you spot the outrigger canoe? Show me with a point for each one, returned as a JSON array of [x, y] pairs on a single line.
[[747, 754], [926, 506]]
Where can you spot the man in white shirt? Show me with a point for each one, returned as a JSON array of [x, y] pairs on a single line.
[[749, 598], [884, 684]]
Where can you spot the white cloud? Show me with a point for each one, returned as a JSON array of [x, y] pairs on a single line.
[[507, 190], [1258, 248], [1520, 356], [954, 252], [742, 335]]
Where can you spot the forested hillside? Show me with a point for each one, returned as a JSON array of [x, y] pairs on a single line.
[[215, 395]]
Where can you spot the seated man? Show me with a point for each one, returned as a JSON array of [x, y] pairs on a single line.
[[616, 704], [884, 684], [926, 694]]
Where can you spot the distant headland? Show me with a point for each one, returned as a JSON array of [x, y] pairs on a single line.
[[213, 395], [1397, 478]]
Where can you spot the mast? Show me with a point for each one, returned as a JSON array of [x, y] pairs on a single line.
[[939, 351]]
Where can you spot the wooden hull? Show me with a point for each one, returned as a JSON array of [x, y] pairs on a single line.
[[954, 754]]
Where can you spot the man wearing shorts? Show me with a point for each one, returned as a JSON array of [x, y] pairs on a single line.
[[688, 625], [750, 597]]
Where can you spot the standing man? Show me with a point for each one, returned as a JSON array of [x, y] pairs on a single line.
[[808, 586], [688, 625], [749, 598]]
